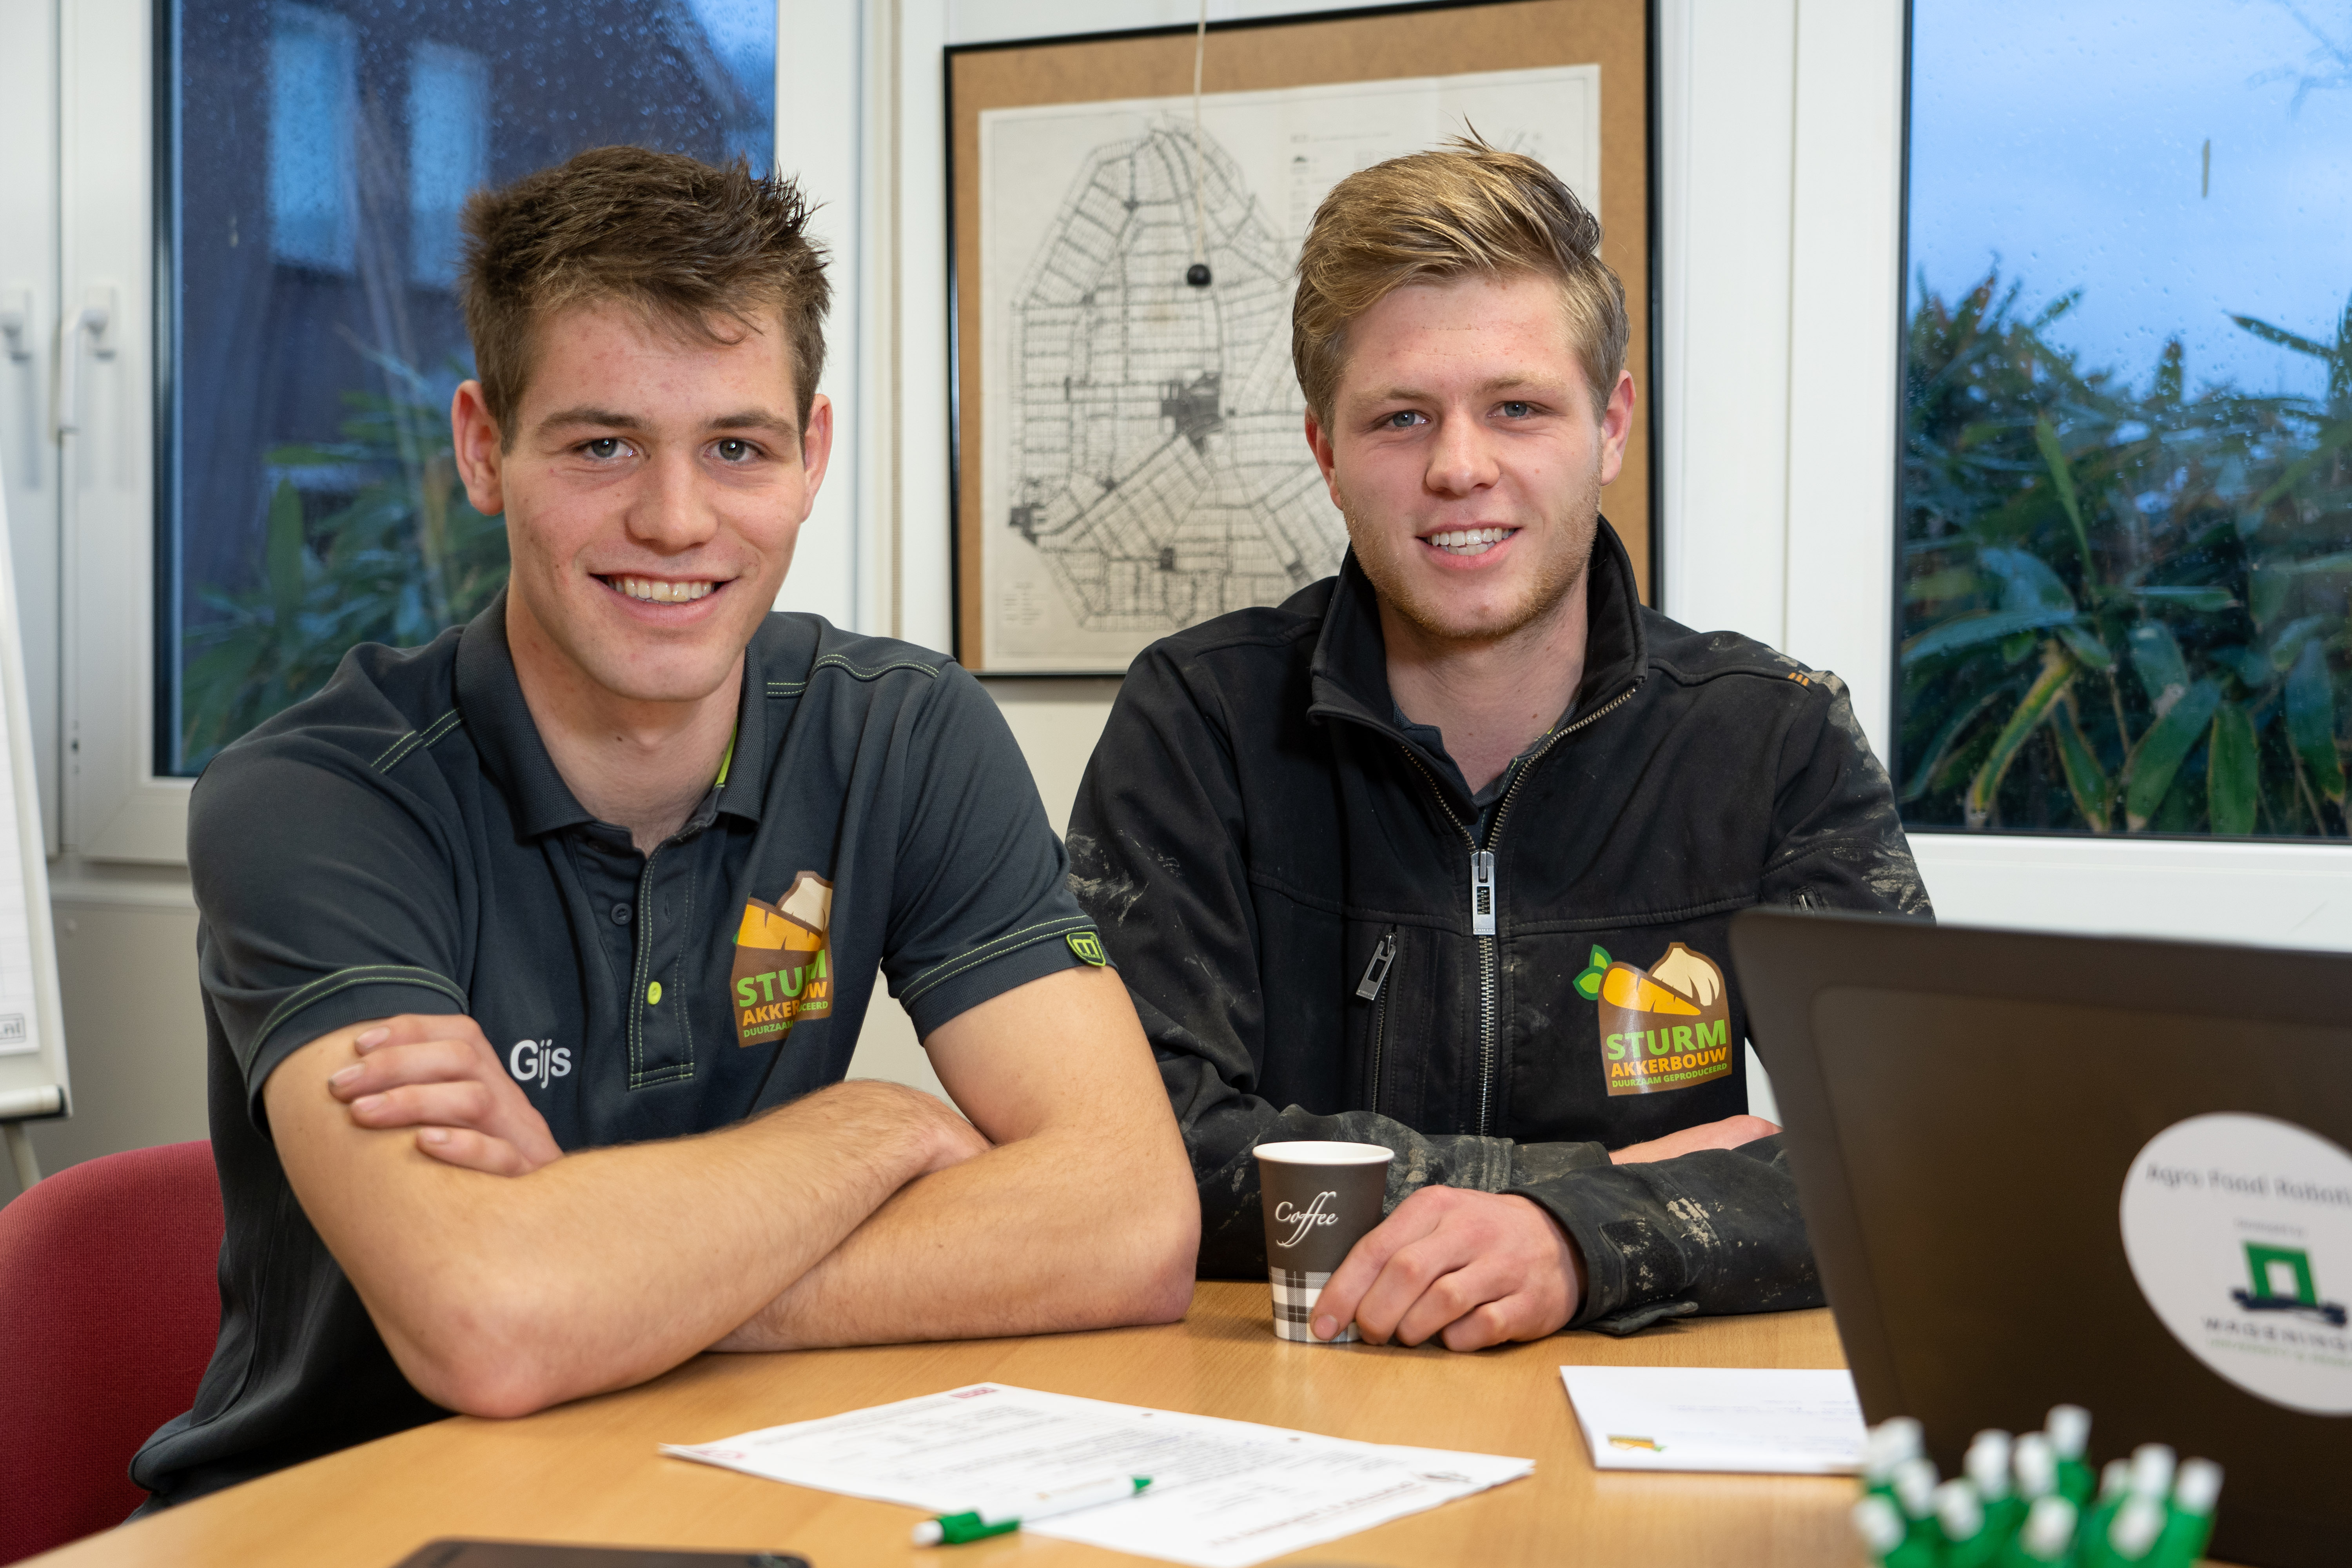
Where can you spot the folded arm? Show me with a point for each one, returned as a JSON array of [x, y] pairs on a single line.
[[1082, 1216], [501, 1295]]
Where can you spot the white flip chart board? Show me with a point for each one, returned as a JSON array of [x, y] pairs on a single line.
[[32, 1022]]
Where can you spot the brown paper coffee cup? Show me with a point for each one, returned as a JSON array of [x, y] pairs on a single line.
[[1319, 1200]]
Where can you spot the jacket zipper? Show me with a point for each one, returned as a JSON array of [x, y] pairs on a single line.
[[1375, 981], [1482, 882]]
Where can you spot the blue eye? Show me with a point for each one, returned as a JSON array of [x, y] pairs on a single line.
[[1401, 419], [1518, 410], [603, 446]]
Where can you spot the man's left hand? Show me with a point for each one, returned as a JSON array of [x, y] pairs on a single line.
[[1471, 1269]]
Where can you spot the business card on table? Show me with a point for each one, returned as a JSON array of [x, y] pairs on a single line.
[[1775, 1421]]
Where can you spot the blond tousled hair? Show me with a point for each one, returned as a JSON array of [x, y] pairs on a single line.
[[1467, 208], [689, 244]]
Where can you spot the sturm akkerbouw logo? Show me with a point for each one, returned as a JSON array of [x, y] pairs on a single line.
[[782, 970], [1669, 1028]]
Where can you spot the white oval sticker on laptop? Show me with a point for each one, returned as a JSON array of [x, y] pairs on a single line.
[[2239, 1229]]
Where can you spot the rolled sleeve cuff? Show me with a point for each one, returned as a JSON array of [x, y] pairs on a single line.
[[335, 1002], [990, 970]]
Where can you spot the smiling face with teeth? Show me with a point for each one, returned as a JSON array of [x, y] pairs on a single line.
[[1465, 451], [654, 486]]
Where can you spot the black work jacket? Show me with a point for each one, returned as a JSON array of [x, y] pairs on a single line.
[[1288, 881]]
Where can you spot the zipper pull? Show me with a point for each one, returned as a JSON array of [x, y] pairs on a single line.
[[1376, 973], [1482, 893]]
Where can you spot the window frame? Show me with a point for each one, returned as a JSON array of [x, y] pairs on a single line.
[[112, 228], [1783, 419]]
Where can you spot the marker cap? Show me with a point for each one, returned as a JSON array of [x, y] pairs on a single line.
[[2036, 1465], [2068, 1427], [2137, 1524], [2198, 1488], [1958, 1511], [1915, 1487], [2049, 1530], [1987, 1465], [2151, 1470], [1880, 1527]]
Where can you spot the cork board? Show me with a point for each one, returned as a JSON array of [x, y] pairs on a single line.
[[1587, 53]]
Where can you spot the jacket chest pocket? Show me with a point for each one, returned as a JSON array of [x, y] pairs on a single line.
[[1397, 1002]]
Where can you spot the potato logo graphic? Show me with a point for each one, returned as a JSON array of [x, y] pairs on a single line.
[[1669, 1028], [782, 970]]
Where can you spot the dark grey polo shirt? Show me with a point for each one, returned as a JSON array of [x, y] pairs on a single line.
[[400, 843]]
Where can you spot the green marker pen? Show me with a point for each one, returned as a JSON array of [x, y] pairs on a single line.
[[2036, 1467], [1880, 1524], [2151, 1471], [2046, 1538], [2130, 1540], [2114, 1486], [2068, 1427], [978, 1524], [1988, 1469], [1914, 1494], [1889, 1443], [2189, 1521], [1969, 1540]]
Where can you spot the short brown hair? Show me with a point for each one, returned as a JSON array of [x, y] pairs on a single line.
[[1465, 208], [680, 240]]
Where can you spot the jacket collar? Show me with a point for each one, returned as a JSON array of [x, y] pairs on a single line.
[[505, 737], [1347, 676]]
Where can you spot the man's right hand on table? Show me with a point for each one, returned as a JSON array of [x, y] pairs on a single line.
[[1474, 1269]]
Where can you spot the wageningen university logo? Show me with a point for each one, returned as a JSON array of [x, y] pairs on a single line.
[[2283, 1283], [2238, 1230]]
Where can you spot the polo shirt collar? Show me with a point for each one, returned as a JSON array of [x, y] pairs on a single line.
[[489, 696]]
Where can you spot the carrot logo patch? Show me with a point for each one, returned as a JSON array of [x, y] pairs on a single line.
[[1669, 1028], [782, 972]]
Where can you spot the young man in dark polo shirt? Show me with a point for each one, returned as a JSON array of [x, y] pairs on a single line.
[[1440, 853], [533, 959]]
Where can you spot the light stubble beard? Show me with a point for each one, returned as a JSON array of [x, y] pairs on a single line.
[[1556, 577]]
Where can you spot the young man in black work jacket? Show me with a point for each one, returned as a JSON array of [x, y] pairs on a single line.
[[1441, 853]]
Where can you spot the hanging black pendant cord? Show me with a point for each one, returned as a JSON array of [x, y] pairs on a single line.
[[1197, 275]]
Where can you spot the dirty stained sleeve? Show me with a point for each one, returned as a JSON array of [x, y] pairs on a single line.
[[1838, 840]]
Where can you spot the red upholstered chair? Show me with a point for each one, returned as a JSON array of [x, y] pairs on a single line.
[[109, 1302]]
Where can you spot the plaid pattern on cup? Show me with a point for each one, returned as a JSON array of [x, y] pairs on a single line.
[[1295, 1295]]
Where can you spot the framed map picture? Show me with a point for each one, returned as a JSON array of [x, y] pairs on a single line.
[[1128, 443]]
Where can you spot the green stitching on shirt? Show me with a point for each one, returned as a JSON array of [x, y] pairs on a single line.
[[989, 952], [398, 750], [327, 985], [838, 662]]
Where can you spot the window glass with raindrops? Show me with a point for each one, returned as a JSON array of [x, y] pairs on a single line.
[[317, 156], [2126, 469]]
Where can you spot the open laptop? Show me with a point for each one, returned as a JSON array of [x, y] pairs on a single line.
[[2042, 1169]]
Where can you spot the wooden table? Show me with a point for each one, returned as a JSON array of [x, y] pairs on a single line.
[[588, 1471]]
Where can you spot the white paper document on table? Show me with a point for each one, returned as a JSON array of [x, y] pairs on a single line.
[[1767, 1421], [1224, 1494]]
